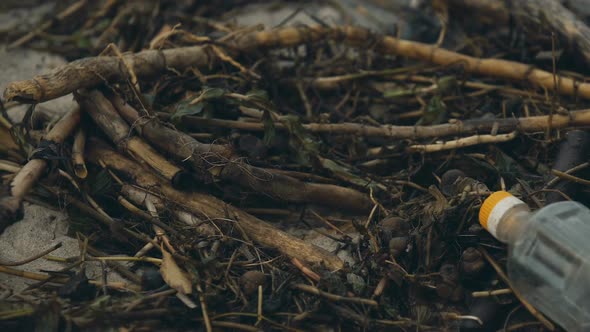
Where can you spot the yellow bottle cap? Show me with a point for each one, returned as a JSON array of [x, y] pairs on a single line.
[[493, 208]]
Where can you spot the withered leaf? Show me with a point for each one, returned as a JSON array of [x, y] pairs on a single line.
[[173, 275]]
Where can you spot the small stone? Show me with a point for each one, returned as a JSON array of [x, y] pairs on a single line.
[[471, 261], [251, 280], [150, 278], [393, 226], [398, 245]]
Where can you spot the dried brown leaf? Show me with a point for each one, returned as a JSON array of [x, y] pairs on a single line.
[[173, 275]]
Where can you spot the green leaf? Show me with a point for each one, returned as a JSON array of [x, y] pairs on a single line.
[[435, 113], [83, 42], [446, 84], [184, 108], [211, 93], [505, 164], [397, 93], [258, 94], [300, 142], [343, 172], [102, 24], [269, 128]]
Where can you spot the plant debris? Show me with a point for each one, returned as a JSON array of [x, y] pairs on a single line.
[[298, 177]]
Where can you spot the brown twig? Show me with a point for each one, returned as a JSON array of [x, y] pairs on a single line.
[[43, 277], [526, 124], [494, 292], [334, 297], [221, 161], [90, 72], [106, 117], [210, 207], [140, 196], [462, 143], [567, 176], [28, 175], [32, 258], [305, 270]]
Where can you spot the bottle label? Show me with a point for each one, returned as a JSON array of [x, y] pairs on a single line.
[[498, 212]]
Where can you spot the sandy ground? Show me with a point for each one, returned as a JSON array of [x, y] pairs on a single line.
[[41, 227]]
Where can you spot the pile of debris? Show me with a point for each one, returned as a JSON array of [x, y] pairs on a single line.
[[297, 178]]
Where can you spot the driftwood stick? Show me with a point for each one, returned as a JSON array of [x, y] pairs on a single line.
[[90, 72], [232, 168], [358, 37], [579, 118], [211, 208], [140, 197], [11, 208], [106, 117]]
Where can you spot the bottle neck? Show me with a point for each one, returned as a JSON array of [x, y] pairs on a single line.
[[514, 222]]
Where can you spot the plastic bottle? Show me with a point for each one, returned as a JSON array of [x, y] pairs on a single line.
[[549, 254]]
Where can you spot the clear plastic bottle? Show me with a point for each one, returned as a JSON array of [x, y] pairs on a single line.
[[549, 254]]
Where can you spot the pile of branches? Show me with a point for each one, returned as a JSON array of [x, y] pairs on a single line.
[[285, 179]]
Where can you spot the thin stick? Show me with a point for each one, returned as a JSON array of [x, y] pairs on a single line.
[[334, 297], [305, 270], [259, 307], [538, 315], [205, 314], [462, 143], [569, 171], [30, 259], [153, 260], [89, 72], [209, 207], [570, 177], [121, 269], [44, 277], [138, 212], [494, 292], [72, 9], [527, 124], [235, 326]]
